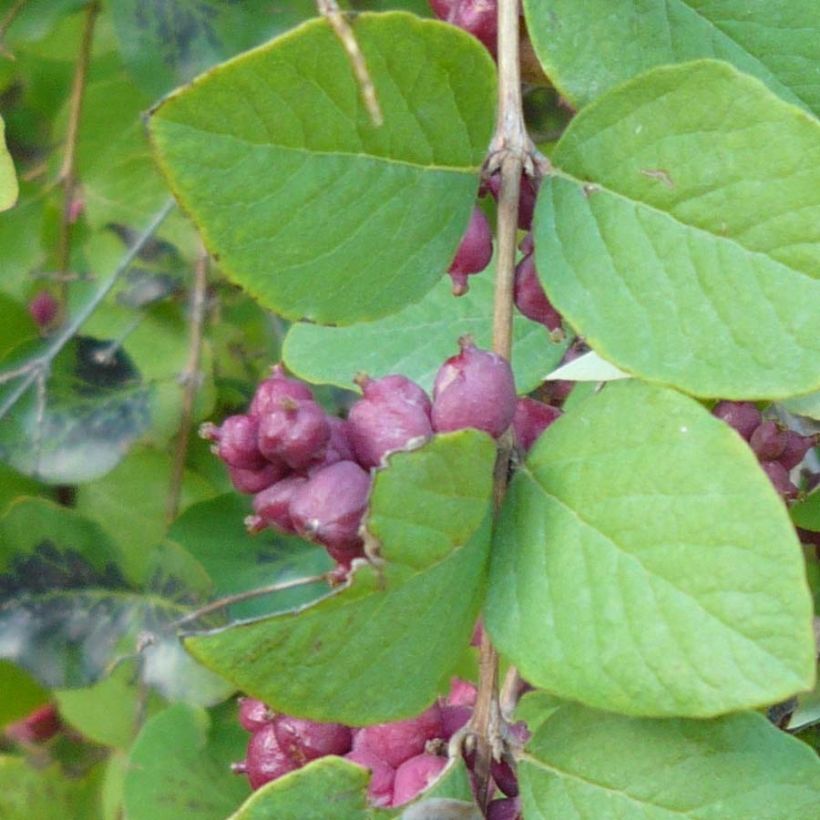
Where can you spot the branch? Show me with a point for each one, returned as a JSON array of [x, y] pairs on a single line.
[[191, 381], [39, 366]]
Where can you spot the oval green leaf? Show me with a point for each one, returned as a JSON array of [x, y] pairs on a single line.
[[679, 243], [313, 209], [585, 763], [644, 564], [379, 648], [415, 341], [590, 46], [8, 178]]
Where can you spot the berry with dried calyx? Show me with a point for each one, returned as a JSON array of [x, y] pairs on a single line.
[[305, 740], [475, 389], [235, 441], [253, 714], [272, 506], [276, 387], [265, 760], [399, 741], [474, 252], [415, 775], [295, 431], [741, 416], [530, 298], [531, 419]]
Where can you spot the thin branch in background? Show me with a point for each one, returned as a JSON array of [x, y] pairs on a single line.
[[191, 379], [38, 366], [329, 9], [6, 23], [67, 176]]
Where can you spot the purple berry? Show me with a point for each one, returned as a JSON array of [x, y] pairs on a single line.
[[507, 808], [305, 740], [526, 198], [382, 774], [393, 415], [741, 416], [454, 718], [527, 244], [796, 448], [768, 441], [251, 482], [474, 252], [265, 761], [43, 308], [272, 506], [344, 557], [415, 775], [399, 741], [253, 714], [474, 389], [504, 777], [278, 386], [478, 17], [296, 431], [530, 298], [329, 507], [531, 419], [462, 693], [236, 441], [779, 476]]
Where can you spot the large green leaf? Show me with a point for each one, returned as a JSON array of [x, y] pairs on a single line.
[[307, 204], [8, 179], [679, 243], [585, 763], [644, 564], [179, 766], [415, 341], [589, 46], [21, 693], [378, 648]]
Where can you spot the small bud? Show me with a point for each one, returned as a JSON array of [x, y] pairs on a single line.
[[474, 253], [530, 298]]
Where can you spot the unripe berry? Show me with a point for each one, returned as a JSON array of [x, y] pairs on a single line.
[[530, 298], [278, 386], [474, 253], [382, 774], [306, 740], [295, 432], [507, 808], [393, 415], [796, 448], [474, 389], [531, 419], [251, 482], [399, 741], [265, 760], [415, 775], [43, 308], [272, 506], [742, 416], [253, 714], [236, 441], [329, 507]]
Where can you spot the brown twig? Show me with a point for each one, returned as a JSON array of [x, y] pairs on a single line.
[[329, 9], [191, 381], [67, 176]]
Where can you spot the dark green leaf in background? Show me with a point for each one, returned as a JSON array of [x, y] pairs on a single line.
[[589, 46], [309, 206], [680, 242], [644, 564]]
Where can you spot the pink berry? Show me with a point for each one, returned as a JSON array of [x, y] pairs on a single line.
[[796, 448], [272, 506], [393, 415], [305, 740], [265, 760], [462, 693], [741, 416], [382, 774], [506, 808], [399, 741], [454, 718], [530, 298], [474, 389], [43, 308], [531, 419], [329, 507], [779, 476], [478, 17], [236, 442], [527, 195], [474, 252], [415, 775], [251, 482], [278, 386], [768, 441], [253, 714], [296, 431], [37, 727]]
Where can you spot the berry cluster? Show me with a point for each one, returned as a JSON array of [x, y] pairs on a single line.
[[778, 449], [404, 757]]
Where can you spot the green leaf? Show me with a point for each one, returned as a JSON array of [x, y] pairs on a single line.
[[328, 787], [535, 707], [585, 763], [94, 408], [806, 513], [309, 206], [213, 532], [644, 564], [415, 341], [378, 648], [166, 42], [589, 46], [179, 766], [21, 693], [679, 244], [8, 179]]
